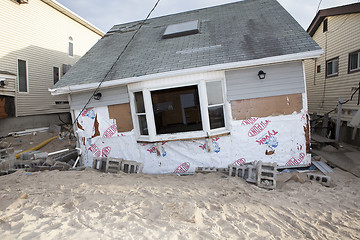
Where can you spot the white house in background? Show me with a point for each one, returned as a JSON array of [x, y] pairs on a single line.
[[40, 40], [205, 88]]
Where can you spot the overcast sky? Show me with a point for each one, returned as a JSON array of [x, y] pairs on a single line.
[[106, 13]]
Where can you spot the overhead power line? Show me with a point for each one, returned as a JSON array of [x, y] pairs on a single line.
[[112, 66]]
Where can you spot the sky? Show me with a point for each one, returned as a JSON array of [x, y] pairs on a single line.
[[105, 14]]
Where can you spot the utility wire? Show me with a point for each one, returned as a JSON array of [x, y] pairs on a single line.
[[318, 7], [108, 72]]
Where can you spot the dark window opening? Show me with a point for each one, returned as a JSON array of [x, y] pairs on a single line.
[[325, 25], [22, 76], [318, 69], [354, 61], [216, 116], [176, 110], [55, 74]]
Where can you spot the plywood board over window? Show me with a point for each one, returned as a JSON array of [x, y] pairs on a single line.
[[266, 106], [122, 114]]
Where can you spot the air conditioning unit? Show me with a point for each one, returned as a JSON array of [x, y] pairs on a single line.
[[22, 1]]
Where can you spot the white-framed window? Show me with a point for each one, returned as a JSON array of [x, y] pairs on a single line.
[[23, 85], [56, 74], [179, 112], [354, 61], [71, 47], [332, 67]]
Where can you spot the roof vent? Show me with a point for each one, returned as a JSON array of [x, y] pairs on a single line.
[[182, 29]]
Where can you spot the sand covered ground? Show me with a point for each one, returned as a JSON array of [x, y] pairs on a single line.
[[95, 205]]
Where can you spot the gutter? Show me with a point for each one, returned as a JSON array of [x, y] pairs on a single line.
[[217, 67]]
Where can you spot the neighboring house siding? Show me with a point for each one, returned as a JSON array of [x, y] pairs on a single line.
[[39, 34], [341, 39], [280, 79], [110, 96]]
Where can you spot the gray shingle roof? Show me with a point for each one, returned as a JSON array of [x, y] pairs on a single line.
[[246, 30]]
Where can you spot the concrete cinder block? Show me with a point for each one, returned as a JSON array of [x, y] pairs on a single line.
[[322, 179], [131, 166], [266, 175], [205, 169], [113, 165]]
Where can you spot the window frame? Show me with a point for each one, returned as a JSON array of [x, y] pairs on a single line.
[[71, 43], [53, 73], [349, 62], [26, 75], [149, 113], [326, 67]]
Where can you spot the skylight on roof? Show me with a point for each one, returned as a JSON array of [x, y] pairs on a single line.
[[181, 29]]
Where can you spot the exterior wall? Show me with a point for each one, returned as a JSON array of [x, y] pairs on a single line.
[[39, 34], [272, 138], [280, 79], [341, 39]]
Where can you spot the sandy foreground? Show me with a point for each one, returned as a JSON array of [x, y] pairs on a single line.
[[95, 205]]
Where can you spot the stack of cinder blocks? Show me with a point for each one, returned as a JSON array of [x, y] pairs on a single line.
[[262, 174], [115, 165]]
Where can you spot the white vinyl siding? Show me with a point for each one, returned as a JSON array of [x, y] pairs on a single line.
[[280, 79], [341, 39], [109, 96], [32, 37]]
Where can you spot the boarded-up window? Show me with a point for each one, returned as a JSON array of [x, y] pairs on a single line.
[[22, 76], [122, 114], [267, 106]]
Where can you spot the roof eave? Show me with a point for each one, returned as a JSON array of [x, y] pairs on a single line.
[[73, 16], [218, 67], [341, 10]]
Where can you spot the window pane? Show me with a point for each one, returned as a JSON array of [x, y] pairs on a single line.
[[329, 68], [354, 61], [143, 125], [71, 49], [335, 66], [22, 76], [214, 92], [55, 74], [139, 102], [176, 110], [216, 116]]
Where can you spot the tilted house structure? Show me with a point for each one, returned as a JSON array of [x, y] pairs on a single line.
[[336, 73], [40, 40], [208, 87]]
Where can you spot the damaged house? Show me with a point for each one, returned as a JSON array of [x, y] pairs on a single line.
[[205, 88]]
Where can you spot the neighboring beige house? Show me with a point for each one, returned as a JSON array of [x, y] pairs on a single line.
[[40, 41], [336, 74]]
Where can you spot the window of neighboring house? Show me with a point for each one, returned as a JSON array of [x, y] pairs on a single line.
[[56, 74], [325, 25], [197, 108], [71, 47], [318, 69], [354, 61], [22, 76], [332, 67]]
